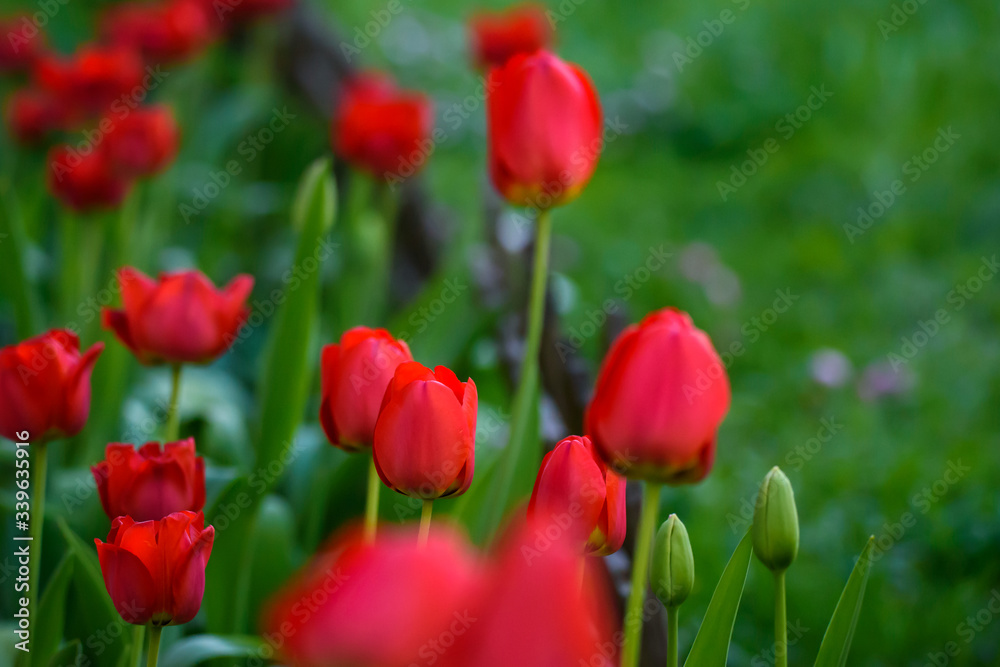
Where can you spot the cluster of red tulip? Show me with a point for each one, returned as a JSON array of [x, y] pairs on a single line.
[[100, 92], [660, 397]]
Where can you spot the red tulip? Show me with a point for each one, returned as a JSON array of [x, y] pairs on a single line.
[[233, 12], [381, 129], [538, 610], [144, 141], [385, 604], [355, 374], [498, 36], [85, 180], [545, 130], [45, 386], [155, 570], [180, 318], [33, 114], [150, 484], [425, 436], [576, 491], [170, 31], [93, 78], [661, 394], [21, 42]]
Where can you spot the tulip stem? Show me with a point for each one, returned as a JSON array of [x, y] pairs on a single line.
[[36, 524], [780, 622], [153, 655], [138, 634], [527, 387], [173, 412], [640, 574], [672, 635], [425, 522], [371, 506]]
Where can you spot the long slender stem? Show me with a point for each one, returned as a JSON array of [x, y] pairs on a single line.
[[138, 634], [371, 506], [36, 524], [153, 655], [672, 636], [173, 412], [640, 574], [524, 396], [425, 521], [780, 622]]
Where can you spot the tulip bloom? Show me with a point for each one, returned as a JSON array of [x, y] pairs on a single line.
[[425, 436], [34, 114], [45, 386], [165, 32], [495, 37], [545, 126], [150, 483], [575, 486], [93, 78], [21, 42], [86, 181], [355, 374], [144, 141], [382, 129], [179, 318], [661, 394], [355, 590], [155, 570]]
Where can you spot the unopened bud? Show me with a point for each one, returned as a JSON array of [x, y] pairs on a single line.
[[672, 573], [776, 522]]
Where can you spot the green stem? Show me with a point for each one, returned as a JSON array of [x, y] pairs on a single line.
[[13, 244], [527, 388], [153, 655], [640, 574], [780, 622], [37, 523], [672, 636], [69, 263], [371, 506], [425, 522], [173, 412], [138, 634]]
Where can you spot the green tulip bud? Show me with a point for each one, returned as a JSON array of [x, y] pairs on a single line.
[[672, 572], [775, 528]]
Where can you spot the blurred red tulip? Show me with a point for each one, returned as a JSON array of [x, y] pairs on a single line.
[[144, 141], [355, 374], [496, 37], [179, 318], [34, 114], [545, 130], [155, 570], [164, 32], [21, 42], [45, 386], [425, 436], [577, 492], [390, 603], [85, 180], [541, 609], [661, 394], [94, 78], [233, 12], [382, 129], [150, 483]]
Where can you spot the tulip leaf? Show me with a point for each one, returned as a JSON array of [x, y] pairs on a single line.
[[193, 651], [52, 608], [288, 373], [837, 640], [711, 644], [69, 655]]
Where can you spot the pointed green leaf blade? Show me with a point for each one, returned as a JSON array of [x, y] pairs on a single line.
[[711, 644], [837, 640], [193, 651], [52, 612], [69, 655]]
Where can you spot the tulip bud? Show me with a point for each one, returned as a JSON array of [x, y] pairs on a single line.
[[672, 572], [776, 522]]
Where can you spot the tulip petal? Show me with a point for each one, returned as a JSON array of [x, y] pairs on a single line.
[[128, 582]]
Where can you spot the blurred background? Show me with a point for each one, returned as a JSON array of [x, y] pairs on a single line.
[[749, 177]]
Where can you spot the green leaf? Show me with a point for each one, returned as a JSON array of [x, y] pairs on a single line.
[[711, 644], [52, 612], [837, 640], [288, 373], [69, 655], [193, 651]]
